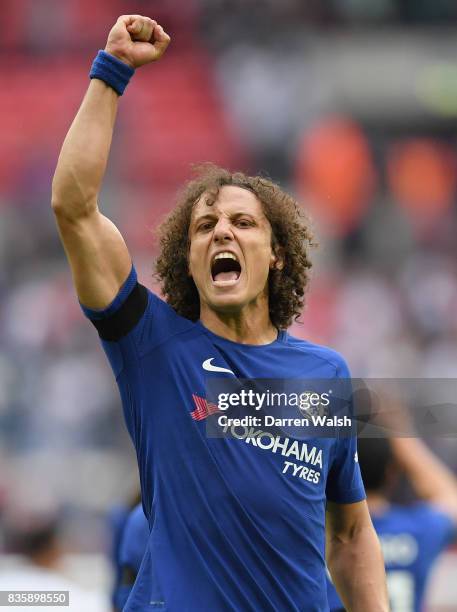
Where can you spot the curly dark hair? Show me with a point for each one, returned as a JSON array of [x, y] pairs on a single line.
[[291, 235]]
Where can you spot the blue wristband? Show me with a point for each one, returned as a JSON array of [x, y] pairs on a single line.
[[112, 71]]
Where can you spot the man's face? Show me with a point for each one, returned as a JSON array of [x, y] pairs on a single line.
[[230, 251]]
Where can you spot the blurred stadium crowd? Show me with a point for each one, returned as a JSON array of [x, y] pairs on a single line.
[[352, 105]]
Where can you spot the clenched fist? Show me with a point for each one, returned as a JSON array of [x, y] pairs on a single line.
[[137, 40]]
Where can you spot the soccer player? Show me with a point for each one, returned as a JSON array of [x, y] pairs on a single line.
[[132, 547], [412, 536], [231, 526]]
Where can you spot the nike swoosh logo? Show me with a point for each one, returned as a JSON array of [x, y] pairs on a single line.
[[209, 367]]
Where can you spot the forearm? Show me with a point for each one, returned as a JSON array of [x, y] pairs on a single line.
[[135, 41], [84, 155], [357, 568]]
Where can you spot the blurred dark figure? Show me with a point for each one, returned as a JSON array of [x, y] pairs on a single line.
[[37, 563], [38, 541], [412, 536]]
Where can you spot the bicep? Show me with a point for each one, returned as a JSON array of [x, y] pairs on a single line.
[[98, 257]]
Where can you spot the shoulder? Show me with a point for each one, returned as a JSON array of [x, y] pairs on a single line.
[[320, 352], [136, 309], [160, 323], [431, 515], [417, 517]]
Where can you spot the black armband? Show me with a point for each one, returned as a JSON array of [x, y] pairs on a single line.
[[119, 324]]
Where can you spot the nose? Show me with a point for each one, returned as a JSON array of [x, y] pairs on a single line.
[[222, 231]]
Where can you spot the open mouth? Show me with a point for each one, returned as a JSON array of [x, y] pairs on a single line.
[[225, 269]]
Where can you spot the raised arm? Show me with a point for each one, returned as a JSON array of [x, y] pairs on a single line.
[[430, 478], [96, 251]]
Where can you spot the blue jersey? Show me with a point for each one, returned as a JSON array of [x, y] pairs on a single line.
[[117, 518], [231, 527], [132, 547], [411, 538]]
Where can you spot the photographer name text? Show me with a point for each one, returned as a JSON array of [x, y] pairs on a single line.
[[269, 420]]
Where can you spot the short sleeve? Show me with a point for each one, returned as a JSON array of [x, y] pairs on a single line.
[[120, 317], [131, 327], [344, 482], [134, 304]]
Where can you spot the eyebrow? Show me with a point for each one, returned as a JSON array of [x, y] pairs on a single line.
[[206, 216], [211, 216]]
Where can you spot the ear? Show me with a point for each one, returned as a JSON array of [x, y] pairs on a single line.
[[277, 259]]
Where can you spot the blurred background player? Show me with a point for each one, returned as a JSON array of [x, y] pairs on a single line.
[[117, 520], [132, 546], [38, 564], [414, 535]]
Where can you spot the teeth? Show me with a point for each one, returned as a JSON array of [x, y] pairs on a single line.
[[225, 255]]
